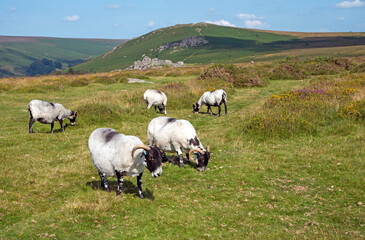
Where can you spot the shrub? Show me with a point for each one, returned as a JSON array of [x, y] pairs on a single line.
[[354, 110], [302, 111], [231, 76], [359, 68], [278, 125]]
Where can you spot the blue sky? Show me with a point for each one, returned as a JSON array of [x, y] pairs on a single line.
[[125, 19]]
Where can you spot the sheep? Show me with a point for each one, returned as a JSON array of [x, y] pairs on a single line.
[[155, 98], [116, 154], [213, 98], [178, 135], [47, 113]]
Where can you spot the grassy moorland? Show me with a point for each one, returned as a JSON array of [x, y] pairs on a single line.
[[288, 159], [226, 45]]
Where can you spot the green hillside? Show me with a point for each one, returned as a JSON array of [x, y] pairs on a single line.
[[225, 45], [17, 53]]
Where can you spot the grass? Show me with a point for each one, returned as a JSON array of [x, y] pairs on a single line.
[[304, 186]]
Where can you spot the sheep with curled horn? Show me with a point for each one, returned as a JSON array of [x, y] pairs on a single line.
[[116, 154], [178, 135]]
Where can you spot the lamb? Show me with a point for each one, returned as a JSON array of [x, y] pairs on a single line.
[[47, 113], [116, 154], [155, 98], [178, 135], [213, 98]]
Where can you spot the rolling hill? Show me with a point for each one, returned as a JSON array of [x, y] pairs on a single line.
[[204, 43], [17, 53]]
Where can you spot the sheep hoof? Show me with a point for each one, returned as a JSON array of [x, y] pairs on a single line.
[[119, 193], [181, 165], [107, 189], [141, 196]]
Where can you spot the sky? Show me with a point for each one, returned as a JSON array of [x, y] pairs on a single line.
[[126, 19]]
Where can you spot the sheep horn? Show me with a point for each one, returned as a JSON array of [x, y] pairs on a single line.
[[145, 147], [195, 150], [208, 148]]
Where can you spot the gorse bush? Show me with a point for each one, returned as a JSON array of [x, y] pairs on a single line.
[[354, 110], [302, 111]]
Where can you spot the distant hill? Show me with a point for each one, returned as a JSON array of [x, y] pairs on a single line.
[[18, 53], [204, 43]]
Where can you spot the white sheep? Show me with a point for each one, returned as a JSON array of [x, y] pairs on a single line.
[[116, 154], [155, 98], [178, 135], [47, 113], [213, 98]]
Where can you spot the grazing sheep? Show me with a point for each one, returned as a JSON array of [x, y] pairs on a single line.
[[178, 135], [47, 113], [214, 98], [116, 154], [155, 98]]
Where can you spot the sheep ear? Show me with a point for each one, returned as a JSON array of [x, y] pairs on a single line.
[[76, 114], [157, 145]]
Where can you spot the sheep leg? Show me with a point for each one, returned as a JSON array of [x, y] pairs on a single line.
[[181, 161], [52, 126], [139, 184], [219, 110], [155, 108], [187, 158], [225, 107], [61, 124], [104, 182], [164, 108], [120, 182], [209, 110], [31, 122]]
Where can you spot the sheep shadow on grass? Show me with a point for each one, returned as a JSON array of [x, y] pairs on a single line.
[[175, 161], [56, 129], [214, 114], [128, 188]]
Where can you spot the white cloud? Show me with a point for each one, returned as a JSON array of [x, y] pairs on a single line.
[[211, 10], [341, 18], [252, 21], [348, 4], [151, 24], [245, 16], [255, 24], [221, 22], [72, 18], [112, 6], [13, 9]]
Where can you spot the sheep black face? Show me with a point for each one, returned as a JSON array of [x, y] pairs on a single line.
[[196, 107], [72, 118], [153, 160], [202, 158]]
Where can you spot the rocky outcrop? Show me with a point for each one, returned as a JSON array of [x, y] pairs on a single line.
[[147, 62], [192, 41]]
